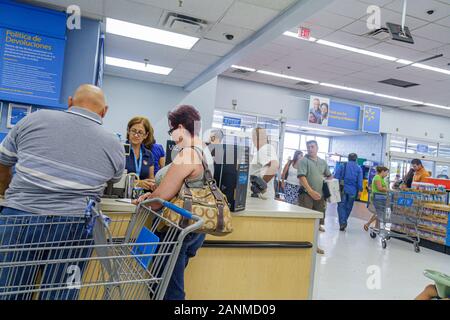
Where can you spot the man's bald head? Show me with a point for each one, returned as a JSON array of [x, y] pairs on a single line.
[[89, 97]]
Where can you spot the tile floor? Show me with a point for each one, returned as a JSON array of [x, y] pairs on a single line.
[[342, 273]]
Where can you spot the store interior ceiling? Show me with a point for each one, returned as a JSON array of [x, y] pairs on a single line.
[[249, 33]]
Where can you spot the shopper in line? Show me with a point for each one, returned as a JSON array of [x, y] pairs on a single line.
[[290, 182], [311, 173], [140, 161], [377, 201], [60, 159], [420, 174], [186, 167], [264, 163], [351, 182]]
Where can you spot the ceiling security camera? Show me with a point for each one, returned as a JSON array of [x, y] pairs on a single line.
[[229, 36], [430, 12]]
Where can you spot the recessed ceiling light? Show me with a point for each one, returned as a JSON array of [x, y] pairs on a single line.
[[243, 68], [279, 75], [356, 50], [140, 66], [140, 32], [295, 35], [322, 130]]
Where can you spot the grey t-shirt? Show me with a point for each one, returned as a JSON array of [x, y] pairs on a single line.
[[60, 159], [314, 171]]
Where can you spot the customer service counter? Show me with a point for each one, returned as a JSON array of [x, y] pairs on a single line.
[[270, 254]]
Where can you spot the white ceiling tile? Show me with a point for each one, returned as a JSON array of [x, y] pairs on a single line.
[[314, 48], [434, 32], [350, 39], [363, 59], [328, 20], [419, 8], [191, 66], [212, 47], [348, 8], [398, 51], [343, 66], [219, 30], [87, 6], [132, 11], [133, 74], [444, 22], [379, 3], [278, 5], [248, 16], [396, 17], [198, 57], [287, 43], [212, 12], [182, 74], [420, 44]]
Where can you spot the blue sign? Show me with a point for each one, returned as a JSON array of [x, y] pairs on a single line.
[[371, 119], [232, 122], [2, 136], [344, 116], [32, 45], [422, 148]]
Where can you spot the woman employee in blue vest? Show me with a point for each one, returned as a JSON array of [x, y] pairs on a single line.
[[140, 160]]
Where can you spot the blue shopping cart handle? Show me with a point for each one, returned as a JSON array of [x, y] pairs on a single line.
[[180, 211]]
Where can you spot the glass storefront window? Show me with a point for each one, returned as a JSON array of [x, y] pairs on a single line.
[[444, 150], [421, 147]]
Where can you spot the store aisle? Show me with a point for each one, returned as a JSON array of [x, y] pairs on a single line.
[[342, 272]]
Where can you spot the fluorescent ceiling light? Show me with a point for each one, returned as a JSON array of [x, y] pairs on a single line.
[[295, 35], [346, 88], [279, 75], [140, 66], [424, 66], [322, 130], [243, 68], [140, 32], [398, 98], [356, 50], [403, 61], [437, 106]]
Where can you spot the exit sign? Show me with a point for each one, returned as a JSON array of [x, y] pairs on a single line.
[[304, 33]]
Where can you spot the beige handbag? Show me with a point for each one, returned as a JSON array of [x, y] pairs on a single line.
[[207, 202]]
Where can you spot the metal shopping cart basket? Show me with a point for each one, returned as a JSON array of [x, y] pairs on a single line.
[[398, 214], [90, 257]]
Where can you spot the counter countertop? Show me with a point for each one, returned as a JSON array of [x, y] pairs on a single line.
[[254, 208]]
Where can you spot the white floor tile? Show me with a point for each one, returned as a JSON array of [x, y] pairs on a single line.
[[342, 273]]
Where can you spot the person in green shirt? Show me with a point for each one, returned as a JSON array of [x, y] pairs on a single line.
[[379, 185]]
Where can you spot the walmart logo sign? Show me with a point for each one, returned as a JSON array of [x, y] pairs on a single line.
[[372, 119]]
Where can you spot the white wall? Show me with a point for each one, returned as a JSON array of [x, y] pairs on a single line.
[[128, 98], [203, 98], [368, 147], [260, 98]]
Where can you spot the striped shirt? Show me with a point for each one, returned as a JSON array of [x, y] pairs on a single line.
[[60, 159]]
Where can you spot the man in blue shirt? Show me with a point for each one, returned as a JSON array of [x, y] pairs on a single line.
[[350, 178]]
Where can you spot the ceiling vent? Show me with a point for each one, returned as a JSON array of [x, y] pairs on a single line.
[[399, 83], [241, 72], [184, 24]]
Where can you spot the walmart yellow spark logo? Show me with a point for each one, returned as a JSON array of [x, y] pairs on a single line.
[[369, 114]]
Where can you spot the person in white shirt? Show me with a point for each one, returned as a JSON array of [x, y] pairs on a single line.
[[290, 182], [265, 162]]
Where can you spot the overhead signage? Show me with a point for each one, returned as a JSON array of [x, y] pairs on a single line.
[[232, 122], [371, 119], [344, 116]]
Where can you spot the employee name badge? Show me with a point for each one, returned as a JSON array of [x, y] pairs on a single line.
[[145, 163]]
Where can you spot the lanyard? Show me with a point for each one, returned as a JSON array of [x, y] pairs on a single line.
[[138, 166]]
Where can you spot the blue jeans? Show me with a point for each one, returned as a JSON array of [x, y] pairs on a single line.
[[27, 238], [345, 208], [175, 289]]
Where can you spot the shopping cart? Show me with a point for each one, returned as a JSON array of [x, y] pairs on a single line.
[[90, 257], [398, 214]]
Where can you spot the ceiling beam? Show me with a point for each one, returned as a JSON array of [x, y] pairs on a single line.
[[291, 17]]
